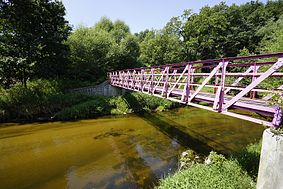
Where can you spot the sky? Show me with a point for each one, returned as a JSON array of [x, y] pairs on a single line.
[[137, 14]]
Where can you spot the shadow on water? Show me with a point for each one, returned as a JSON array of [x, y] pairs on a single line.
[[173, 130]]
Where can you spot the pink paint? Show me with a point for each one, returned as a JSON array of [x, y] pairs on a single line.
[[179, 82]]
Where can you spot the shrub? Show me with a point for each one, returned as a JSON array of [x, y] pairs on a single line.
[[249, 159], [28, 102], [43, 99], [60, 101], [3, 104], [19, 102], [90, 109], [220, 174], [140, 101], [119, 105]]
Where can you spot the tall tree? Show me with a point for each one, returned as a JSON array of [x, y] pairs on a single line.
[[159, 48], [104, 47], [32, 38], [222, 30]]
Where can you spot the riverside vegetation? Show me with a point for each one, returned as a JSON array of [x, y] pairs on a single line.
[[43, 100], [238, 171]]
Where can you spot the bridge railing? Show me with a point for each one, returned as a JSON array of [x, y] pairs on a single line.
[[246, 82]]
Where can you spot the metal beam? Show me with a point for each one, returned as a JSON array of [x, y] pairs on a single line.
[[205, 81], [239, 78], [270, 71]]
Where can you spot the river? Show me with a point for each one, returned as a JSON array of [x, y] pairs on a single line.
[[132, 151]]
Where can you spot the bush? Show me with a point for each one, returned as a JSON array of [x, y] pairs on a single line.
[[249, 159], [119, 105], [3, 104], [83, 106], [139, 102], [238, 171], [43, 99], [26, 103], [90, 109], [220, 174], [60, 101]]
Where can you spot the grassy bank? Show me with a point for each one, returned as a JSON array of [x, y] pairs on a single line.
[[44, 100], [237, 171]]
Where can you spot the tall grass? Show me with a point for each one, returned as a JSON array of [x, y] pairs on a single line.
[[238, 171]]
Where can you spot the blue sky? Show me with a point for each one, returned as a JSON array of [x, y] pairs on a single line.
[[138, 14]]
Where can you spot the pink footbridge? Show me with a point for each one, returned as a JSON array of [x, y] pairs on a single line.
[[216, 84]]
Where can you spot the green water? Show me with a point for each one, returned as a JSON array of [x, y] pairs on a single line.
[[126, 152]]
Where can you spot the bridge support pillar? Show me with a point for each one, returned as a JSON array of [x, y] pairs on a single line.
[[271, 168]]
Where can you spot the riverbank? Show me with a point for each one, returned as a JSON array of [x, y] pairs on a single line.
[[235, 171], [44, 100]]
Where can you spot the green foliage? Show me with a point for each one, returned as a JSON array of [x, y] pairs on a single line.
[[3, 99], [237, 171], [119, 105], [272, 42], [21, 102], [104, 47], [90, 109], [272, 36], [82, 106], [10, 70], [61, 101], [222, 173], [188, 159], [216, 159], [139, 102], [206, 31], [158, 48], [32, 36], [89, 54], [249, 158], [42, 100], [222, 30]]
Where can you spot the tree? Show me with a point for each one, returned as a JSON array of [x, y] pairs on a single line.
[[207, 31], [272, 37], [176, 26], [34, 32], [272, 42], [222, 30], [106, 46], [159, 48]]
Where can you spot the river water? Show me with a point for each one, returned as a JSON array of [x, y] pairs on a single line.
[[133, 151]]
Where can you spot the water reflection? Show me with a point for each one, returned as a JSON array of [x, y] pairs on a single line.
[[128, 152]]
